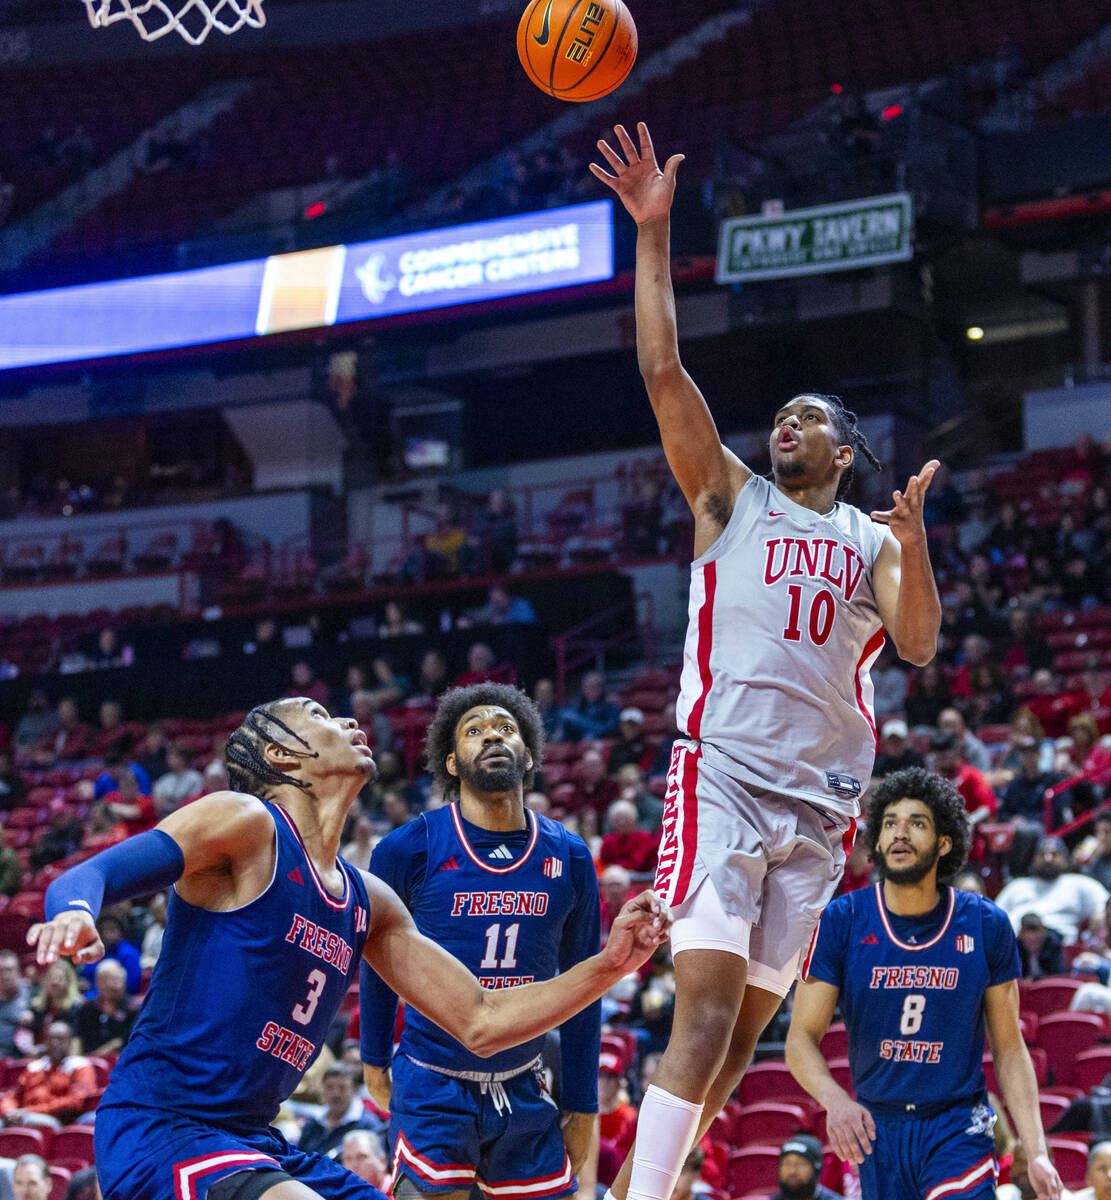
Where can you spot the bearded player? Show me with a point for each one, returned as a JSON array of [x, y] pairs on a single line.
[[791, 593]]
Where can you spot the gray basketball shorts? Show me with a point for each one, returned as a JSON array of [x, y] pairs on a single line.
[[773, 861]]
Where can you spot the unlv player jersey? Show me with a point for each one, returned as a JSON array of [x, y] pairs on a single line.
[[782, 633], [912, 991], [241, 1001]]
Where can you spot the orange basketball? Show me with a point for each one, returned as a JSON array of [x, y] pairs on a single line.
[[577, 49]]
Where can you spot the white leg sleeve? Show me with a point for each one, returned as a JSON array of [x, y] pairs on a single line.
[[665, 1131]]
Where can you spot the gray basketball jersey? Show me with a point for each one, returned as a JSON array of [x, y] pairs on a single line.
[[783, 630]]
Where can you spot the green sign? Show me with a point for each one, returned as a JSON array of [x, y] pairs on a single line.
[[813, 241]]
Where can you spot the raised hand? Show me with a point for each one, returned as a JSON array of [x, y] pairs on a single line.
[[904, 519], [72, 934], [643, 188], [641, 925]]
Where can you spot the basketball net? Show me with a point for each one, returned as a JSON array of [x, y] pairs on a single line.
[[192, 19]]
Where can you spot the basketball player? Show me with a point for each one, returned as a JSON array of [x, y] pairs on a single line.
[[791, 591], [918, 970], [514, 897], [265, 930]]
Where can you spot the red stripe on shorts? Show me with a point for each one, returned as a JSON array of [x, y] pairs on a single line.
[[689, 846], [705, 640]]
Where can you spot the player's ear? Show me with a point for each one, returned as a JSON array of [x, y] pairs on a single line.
[[844, 457], [449, 763], [280, 757], [944, 845]]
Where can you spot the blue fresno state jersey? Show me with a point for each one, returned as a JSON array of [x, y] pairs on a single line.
[[912, 991], [240, 1002], [513, 908]]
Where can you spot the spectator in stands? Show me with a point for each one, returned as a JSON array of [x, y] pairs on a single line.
[[617, 1118], [1097, 688], [1024, 647], [374, 724], [103, 1024], [444, 546], [979, 799], [152, 938], [387, 687], [538, 802], [131, 809], [550, 713], [395, 809], [397, 623], [31, 1178], [503, 609], [653, 1005], [111, 734], [1025, 725], [615, 886], [343, 1113], [688, 1185], [52, 1090], [432, 680], [1098, 1177], [591, 714], [625, 845], [15, 1012], [83, 1185], [108, 651], [973, 751], [114, 764], [631, 745], [72, 739], [890, 683], [152, 753], [800, 1170], [216, 772], [1023, 806], [11, 869], [57, 998], [362, 1154], [1051, 705], [116, 949], [661, 759], [593, 788], [61, 839], [1093, 855], [1039, 948], [969, 881], [180, 783], [303, 682], [1087, 756], [358, 850], [895, 754], [927, 695], [12, 788], [37, 724], [496, 531], [649, 806], [1063, 899], [483, 667]]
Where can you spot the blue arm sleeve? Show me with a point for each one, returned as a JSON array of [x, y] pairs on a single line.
[[143, 864], [399, 860], [580, 1038], [827, 953]]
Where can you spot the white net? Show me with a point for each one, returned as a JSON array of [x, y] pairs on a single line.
[[192, 19]]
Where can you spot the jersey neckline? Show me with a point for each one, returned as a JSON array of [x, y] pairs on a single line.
[[534, 831], [878, 891], [336, 902]]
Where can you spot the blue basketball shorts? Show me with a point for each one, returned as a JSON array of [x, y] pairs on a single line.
[[154, 1154], [947, 1156], [448, 1134]]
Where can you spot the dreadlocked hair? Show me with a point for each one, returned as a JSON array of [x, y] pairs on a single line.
[[456, 702], [850, 434], [248, 769], [940, 797]]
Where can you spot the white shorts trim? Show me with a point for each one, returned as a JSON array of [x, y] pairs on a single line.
[[700, 923]]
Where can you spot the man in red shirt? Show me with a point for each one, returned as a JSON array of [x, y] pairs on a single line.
[[53, 1089], [593, 789], [617, 1118], [980, 801], [134, 812], [1051, 705], [625, 845]]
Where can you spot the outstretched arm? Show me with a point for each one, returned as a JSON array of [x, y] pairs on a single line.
[[486, 1022], [1015, 1073], [708, 474], [906, 593]]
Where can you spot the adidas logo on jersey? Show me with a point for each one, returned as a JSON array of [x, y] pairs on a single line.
[[450, 864], [503, 852], [295, 875], [870, 940]]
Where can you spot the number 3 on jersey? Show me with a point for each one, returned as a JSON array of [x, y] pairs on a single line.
[[302, 1013], [913, 1007], [820, 620]]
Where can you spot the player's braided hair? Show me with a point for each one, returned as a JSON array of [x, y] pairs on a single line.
[[248, 770], [940, 797], [455, 702], [850, 434]]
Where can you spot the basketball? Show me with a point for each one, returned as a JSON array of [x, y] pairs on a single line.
[[577, 49]]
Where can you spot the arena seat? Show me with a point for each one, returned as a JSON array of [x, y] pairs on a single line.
[[1063, 1035], [59, 1182], [73, 1142], [1050, 995], [770, 1081], [1091, 1067], [16, 1141], [755, 1167], [766, 1123], [1070, 1157], [1052, 1108]]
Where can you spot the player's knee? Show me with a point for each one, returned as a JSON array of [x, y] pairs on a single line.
[[708, 1035]]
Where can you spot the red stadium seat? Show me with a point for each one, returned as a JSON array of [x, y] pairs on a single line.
[[1070, 1157], [1050, 995], [1091, 1067], [1052, 1109], [754, 1168], [770, 1081], [59, 1182], [16, 1141], [73, 1142], [768, 1123], [1064, 1035]]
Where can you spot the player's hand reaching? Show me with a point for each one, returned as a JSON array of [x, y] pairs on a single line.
[[904, 519], [643, 188], [72, 934], [641, 925], [1044, 1178], [850, 1129], [378, 1084]]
